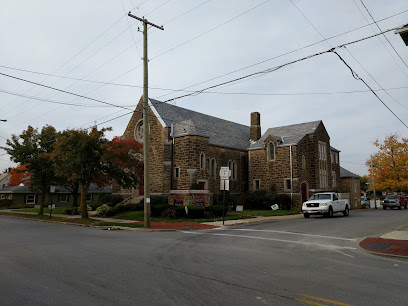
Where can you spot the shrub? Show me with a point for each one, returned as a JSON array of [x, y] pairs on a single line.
[[180, 212], [101, 210], [6, 203], [72, 211], [109, 199], [284, 202], [216, 210], [195, 186], [169, 213], [157, 209], [195, 212], [159, 200], [230, 199]]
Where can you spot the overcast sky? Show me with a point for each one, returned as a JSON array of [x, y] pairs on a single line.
[[207, 42]]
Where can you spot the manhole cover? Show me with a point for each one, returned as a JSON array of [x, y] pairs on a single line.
[[379, 246], [190, 228]]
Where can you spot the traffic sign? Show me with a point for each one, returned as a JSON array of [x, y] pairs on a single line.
[[225, 173]]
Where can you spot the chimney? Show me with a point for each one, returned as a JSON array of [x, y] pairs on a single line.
[[255, 129]]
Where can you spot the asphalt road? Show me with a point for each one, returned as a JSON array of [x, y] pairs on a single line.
[[290, 262]]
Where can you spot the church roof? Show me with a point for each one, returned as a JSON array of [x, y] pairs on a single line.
[[286, 135], [346, 173], [185, 122]]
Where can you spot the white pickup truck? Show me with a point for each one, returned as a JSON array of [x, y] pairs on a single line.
[[326, 204]]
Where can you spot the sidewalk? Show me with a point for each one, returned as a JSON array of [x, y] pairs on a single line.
[[393, 243]]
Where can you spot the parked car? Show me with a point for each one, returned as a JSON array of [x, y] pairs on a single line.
[[325, 204], [365, 203], [395, 200]]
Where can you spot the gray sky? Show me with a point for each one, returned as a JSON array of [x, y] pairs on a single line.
[[91, 41]]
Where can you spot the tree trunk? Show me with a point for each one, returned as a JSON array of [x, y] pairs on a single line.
[[84, 208], [42, 200], [75, 195]]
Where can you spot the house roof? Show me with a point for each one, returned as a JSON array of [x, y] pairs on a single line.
[[187, 122], [286, 135], [3, 176], [345, 173], [59, 189]]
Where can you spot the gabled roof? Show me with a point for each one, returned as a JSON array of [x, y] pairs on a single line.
[[286, 135], [4, 175], [187, 122], [345, 173]]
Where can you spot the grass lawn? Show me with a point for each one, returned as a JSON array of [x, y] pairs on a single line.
[[56, 210], [232, 215], [88, 221]]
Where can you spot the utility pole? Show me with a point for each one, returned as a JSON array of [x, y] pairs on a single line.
[[146, 120], [372, 176]]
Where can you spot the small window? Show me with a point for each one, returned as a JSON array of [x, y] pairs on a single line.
[[176, 172], [89, 197], [202, 161], [303, 162], [257, 184], [334, 178], [213, 167], [288, 184], [234, 170], [30, 199], [63, 198], [271, 152], [335, 198]]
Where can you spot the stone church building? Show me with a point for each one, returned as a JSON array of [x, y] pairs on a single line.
[[187, 147]]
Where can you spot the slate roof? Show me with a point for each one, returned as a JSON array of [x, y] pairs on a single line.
[[59, 189], [286, 135], [187, 122], [346, 173]]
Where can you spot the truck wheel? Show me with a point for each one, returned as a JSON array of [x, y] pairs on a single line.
[[306, 215], [399, 207], [330, 214], [406, 206], [346, 211], [384, 207]]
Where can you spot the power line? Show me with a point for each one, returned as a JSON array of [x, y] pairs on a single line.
[[361, 12], [384, 35], [269, 70], [64, 91], [182, 90], [52, 101], [210, 30], [358, 78]]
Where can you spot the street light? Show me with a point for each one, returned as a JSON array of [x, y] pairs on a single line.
[[403, 32]]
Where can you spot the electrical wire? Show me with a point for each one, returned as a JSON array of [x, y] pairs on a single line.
[[384, 35]]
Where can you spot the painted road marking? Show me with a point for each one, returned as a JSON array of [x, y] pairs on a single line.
[[279, 240], [310, 302], [319, 299], [290, 233]]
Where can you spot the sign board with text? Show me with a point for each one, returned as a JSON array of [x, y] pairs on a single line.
[[225, 173], [224, 185]]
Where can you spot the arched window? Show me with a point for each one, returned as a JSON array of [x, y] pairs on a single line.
[[139, 131], [271, 151], [213, 167], [202, 161], [234, 170]]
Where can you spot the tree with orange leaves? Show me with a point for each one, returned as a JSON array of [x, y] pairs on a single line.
[[19, 175], [390, 163]]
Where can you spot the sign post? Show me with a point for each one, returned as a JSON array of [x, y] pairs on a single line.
[[225, 173], [52, 190]]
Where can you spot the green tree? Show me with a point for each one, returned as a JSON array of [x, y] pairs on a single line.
[[88, 157], [33, 149]]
